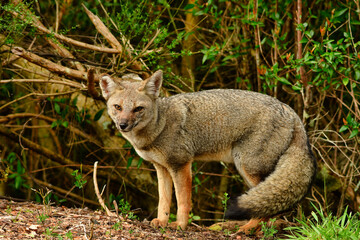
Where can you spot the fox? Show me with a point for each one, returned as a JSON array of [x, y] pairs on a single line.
[[263, 137]]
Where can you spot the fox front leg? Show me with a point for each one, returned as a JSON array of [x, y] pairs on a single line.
[[182, 184], [165, 193]]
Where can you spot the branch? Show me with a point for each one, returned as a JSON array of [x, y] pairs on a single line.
[[49, 119], [96, 188], [42, 28], [36, 23], [53, 67], [103, 30], [91, 85], [48, 153], [36, 94], [35, 147], [60, 190], [68, 83], [257, 43]]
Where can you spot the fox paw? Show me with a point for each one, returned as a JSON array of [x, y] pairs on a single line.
[[158, 223], [177, 225]]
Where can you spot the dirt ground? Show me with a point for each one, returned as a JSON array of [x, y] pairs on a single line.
[[28, 220]]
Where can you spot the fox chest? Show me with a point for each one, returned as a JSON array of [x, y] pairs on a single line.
[[151, 155]]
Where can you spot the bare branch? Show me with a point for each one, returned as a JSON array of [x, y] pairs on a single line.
[[36, 23], [53, 67], [96, 188]]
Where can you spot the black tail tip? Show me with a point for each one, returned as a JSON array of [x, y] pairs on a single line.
[[235, 212]]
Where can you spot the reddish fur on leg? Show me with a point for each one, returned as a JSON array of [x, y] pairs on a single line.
[[252, 226]]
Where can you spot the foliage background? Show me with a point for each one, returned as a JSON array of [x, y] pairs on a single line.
[[305, 53]]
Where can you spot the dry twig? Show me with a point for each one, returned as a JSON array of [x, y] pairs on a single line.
[[97, 192]]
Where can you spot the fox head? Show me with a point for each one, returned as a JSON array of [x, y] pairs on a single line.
[[131, 103]]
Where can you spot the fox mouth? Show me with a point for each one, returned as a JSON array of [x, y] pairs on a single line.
[[128, 128], [125, 130]]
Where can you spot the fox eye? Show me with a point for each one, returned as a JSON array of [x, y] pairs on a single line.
[[138, 109], [117, 107]]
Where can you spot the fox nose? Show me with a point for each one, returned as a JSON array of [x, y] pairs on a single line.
[[123, 126]]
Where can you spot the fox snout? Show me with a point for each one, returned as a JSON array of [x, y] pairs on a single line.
[[125, 125]]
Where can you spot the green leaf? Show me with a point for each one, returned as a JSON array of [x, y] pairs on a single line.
[[140, 162], [129, 162], [357, 74], [315, 216], [296, 88], [57, 108], [343, 128], [54, 124], [354, 133], [345, 81], [284, 81], [189, 6], [98, 114], [199, 13], [304, 40], [65, 124], [340, 12]]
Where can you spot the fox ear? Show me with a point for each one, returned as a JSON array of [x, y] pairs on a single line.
[[152, 85], [107, 86]]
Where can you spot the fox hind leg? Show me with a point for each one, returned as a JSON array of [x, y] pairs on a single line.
[[252, 179]]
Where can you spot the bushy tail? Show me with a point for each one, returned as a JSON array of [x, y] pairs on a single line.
[[284, 187]]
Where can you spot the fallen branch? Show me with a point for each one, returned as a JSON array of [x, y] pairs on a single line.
[[91, 85], [49, 65], [49, 119], [105, 32], [36, 147], [36, 23], [48, 153], [71, 41], [66, 193], [97, 192], [36, 94], [68, 83]]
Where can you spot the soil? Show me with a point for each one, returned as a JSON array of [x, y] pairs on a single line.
[[28, 220]]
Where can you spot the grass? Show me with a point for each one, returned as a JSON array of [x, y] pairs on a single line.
[[324, 227]]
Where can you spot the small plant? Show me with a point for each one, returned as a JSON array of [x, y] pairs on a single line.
[[224, 203], [327, 227], [172, 218], [49, 232], [69, 235], [125, 210], [79, 181], [8, 210], [117, 226], [45, 196], [193, 217], [9, 171], [162, 230], [269, 231], [14, 220], [42, 218], [227, 232]]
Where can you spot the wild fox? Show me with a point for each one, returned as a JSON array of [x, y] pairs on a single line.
[[262, 136]]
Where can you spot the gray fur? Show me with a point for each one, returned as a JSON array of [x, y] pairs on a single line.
[[263, 137]]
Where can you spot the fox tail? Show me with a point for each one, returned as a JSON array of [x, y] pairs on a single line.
[[284, 187]]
